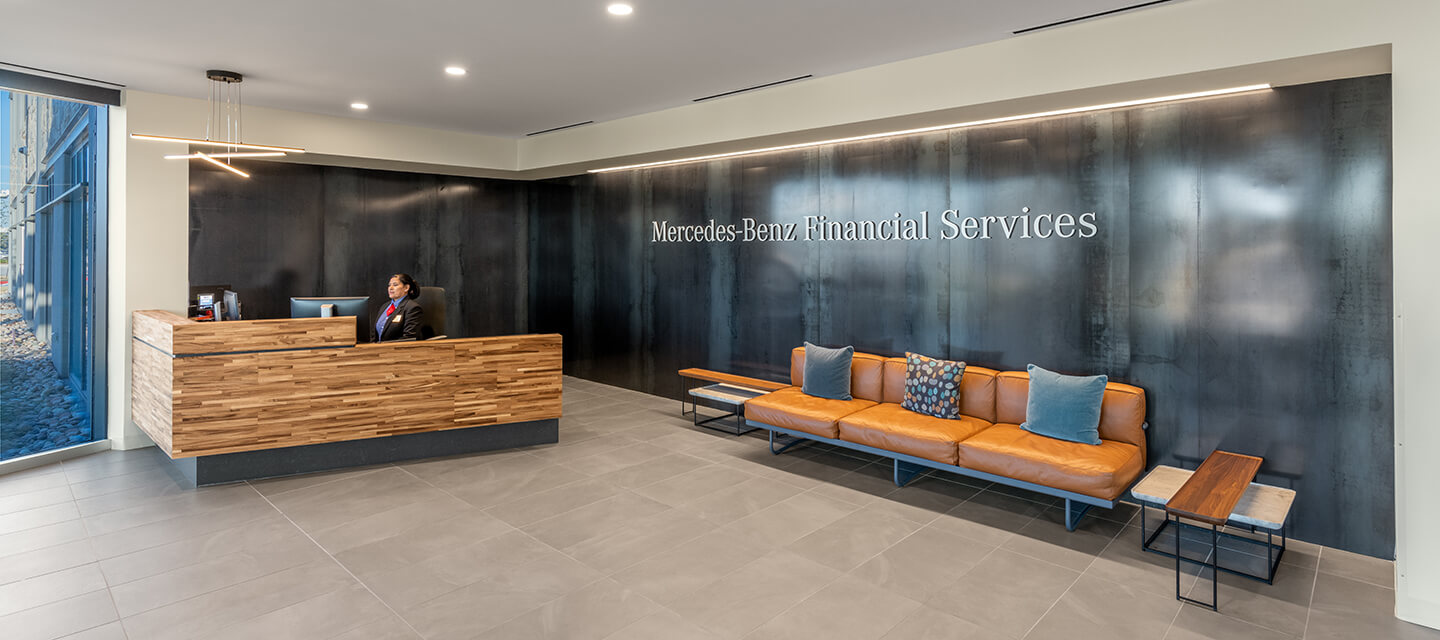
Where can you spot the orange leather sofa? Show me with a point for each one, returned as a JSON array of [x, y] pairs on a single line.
[[986, 442]]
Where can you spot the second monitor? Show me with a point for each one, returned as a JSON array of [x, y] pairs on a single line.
[[358, 306]]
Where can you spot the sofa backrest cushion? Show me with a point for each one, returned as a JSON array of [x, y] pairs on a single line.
[[827, 372], [1122, 412], [977, 388], [866, 374]]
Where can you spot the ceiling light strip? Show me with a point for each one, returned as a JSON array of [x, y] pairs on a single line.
[[243, 154], [222, 165], [959, 125], [216, 143]]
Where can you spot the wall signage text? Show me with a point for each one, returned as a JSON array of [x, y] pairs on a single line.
[[952, 226]]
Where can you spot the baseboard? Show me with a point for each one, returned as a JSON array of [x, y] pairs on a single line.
[[1425, 613]]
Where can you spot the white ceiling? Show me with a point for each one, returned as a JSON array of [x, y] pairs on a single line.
[[533, 64]]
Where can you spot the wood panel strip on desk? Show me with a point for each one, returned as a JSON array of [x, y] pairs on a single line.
[[728, 378], [152, 384], [157, 328], [231, 402], [257, 335], [1213, 490]]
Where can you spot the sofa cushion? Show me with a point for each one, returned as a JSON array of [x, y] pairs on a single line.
[[1064, 407], [891, 427], [977, 389], [932, 386], [866, 374], [790, 408], [827, 372], [1122, 413], [1102, 471]]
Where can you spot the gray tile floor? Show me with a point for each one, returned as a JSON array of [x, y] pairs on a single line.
[[635, 526]]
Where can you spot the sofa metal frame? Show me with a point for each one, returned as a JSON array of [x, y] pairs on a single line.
[[1076, 504]]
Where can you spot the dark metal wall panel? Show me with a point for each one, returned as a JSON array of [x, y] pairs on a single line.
[[305, 230], [1241, 274]]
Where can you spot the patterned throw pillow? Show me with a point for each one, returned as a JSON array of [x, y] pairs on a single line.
[[932, 386]]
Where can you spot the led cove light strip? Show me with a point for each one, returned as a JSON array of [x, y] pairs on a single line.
[[216, 143], [245, 154], [206, 157], [959, 125]]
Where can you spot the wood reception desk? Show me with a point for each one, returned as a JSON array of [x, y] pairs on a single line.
[[230, 401]]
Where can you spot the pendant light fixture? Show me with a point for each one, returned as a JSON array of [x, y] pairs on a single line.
[[222, 128]]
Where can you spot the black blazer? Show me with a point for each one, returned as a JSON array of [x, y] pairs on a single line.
[[404, 323]]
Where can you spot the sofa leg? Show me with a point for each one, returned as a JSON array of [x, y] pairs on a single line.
[[905, 472], [785, 446], [1073, 512]]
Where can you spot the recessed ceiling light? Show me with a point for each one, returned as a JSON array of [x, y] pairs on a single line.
[[359, 106], [620, 9], [455, 71]]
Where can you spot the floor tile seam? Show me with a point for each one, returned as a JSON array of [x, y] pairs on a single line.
[[1310, 606], [177, 540], [209, 559], [487, 510], [337, 563], [85, 522], [1071, 586], [70, 482], [1353, 578], [47, 506], [50, 602], [68, 492], [841, 575], [277, 494], [46, 573], [69, 597]]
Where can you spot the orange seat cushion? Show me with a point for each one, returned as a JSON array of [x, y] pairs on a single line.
[[1103, 471], [891, 427], [790, 408]]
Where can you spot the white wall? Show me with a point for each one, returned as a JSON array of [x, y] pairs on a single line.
[[1169, 47]]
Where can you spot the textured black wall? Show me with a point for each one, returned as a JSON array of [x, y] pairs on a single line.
[[304, 230], [1241, 274]]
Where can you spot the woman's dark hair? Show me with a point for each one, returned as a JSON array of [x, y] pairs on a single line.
[[408, 281]]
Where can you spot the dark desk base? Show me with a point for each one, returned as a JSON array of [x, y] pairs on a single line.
[[285, 461]]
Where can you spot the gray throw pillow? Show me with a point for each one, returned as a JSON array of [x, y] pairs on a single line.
[[1064, 407], [827, 372]]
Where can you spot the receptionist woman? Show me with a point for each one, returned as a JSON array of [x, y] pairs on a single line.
[[400, 319]]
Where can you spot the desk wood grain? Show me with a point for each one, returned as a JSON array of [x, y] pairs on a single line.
[[260, 399], [1213, 490]]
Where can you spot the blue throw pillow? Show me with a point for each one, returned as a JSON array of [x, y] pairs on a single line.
[[827, 372], [932, 386], [1064, 407]]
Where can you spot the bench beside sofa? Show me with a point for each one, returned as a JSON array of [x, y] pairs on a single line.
[[986, 442]]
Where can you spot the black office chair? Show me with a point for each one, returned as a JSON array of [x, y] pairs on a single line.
[[432, 300]]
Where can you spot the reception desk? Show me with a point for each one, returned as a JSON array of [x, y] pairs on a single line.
[[229, 401]]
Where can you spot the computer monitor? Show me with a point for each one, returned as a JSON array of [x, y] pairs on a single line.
[[358, 306], [232, 305], [203, 298]]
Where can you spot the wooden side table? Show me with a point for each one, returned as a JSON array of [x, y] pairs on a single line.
[[1209, 496], [728, 390], [1263, 508]]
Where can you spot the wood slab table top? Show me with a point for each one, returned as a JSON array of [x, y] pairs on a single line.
[[728, 378], [1213, 490]]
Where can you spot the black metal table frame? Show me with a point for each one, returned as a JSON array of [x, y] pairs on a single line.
[[1272, 559], [1273, 552], [739, 427]]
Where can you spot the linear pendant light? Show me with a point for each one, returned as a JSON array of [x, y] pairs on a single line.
[[242, 154], [958, 125], [222, 165], [225, 108]]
